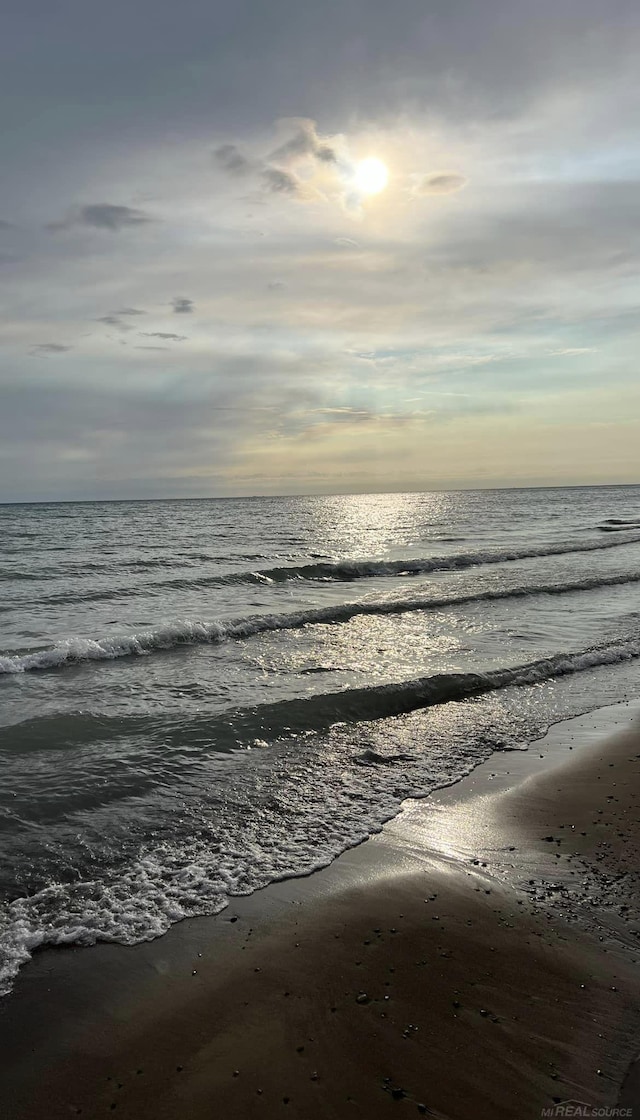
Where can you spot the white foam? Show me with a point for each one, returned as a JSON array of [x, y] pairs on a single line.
[[346, 570], [191, 632], [313, 801]]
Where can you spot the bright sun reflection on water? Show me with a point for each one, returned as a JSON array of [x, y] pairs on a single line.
[[378, 526]]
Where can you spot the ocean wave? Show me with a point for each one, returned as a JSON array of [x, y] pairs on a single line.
[[347, 570], [222, 732], [187, 632], [325, 805], [324, 571], [73, 567], [385, 700]]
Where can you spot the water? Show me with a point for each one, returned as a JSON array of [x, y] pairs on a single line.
[[198, 697]]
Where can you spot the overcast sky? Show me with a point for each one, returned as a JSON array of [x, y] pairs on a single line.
[[199, 299]]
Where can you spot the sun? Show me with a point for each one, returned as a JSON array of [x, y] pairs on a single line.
[[371, 176]]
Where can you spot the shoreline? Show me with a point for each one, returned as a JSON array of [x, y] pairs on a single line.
[[208, 998]]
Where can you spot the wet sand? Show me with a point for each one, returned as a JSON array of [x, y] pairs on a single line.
[[478, 958]]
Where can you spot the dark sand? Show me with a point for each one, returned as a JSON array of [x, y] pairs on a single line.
[[477, 959]]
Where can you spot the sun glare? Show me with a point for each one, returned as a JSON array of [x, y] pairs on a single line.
[[371, 176]]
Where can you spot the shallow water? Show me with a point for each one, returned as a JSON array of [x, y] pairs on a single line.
[[197, 697]]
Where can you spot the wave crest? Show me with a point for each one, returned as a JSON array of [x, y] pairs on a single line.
[[186, 632]]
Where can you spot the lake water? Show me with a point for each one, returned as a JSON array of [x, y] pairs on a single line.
[[198, 697]]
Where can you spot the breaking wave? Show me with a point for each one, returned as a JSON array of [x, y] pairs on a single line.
[[325, 571], [183, 875], [226, 731], [71, 651], [346, 570]]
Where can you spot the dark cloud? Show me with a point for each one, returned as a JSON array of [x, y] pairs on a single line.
[[298, 145], [278, 181], [304, 142], [165, 334], [183, 306], [276, 171], [232, 160], [113, 321], [444, 182], [103, 215], [50, 348], [5, 225], [326, 154], [130, 311]]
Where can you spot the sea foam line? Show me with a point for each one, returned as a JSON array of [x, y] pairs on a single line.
[[166, 884], [402, 697], [337, 571], [345, 570], [188, 632]]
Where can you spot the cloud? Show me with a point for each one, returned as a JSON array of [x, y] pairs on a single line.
[[5, 225], [50, 348], [278, 181], [166, 335], [103, 215], [114, 318], [113, 321], [276, 170], [572, 351], [47, 424], [231, 159], [443, 182], [182, 305], [539, 254], [276, 285], [304, 142], [325, 154]]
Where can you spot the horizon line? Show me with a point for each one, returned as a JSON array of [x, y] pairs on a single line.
[[317, 494]]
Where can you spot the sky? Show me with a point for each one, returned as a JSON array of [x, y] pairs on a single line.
[[199, 297]]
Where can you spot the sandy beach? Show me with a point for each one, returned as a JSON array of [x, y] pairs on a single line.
[[477, 959]]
